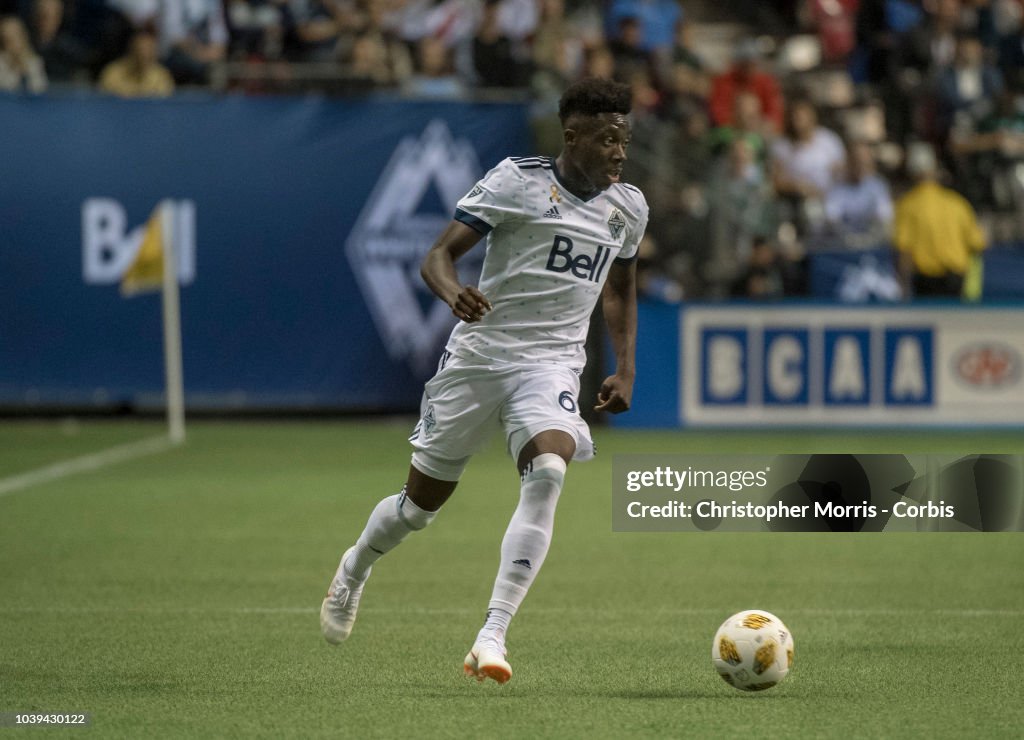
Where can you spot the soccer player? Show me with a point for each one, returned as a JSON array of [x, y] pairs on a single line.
[[560, 233]]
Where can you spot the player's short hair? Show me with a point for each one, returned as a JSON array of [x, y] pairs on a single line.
[[593, 96]]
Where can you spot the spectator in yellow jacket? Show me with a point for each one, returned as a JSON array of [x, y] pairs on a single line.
[[936, 231], [138, 74]]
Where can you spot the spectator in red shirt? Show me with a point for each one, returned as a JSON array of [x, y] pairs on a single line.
[[835, 23], [746, 76]]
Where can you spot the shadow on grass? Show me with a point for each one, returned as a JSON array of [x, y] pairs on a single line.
[[490, 691], [677, 694]]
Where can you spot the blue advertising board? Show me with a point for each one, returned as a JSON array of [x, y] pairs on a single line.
[[812, 365], [298, 228]]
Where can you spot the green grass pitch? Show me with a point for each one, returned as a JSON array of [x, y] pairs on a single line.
[[176, 595]]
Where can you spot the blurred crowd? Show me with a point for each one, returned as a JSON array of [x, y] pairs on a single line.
[[763, 131]]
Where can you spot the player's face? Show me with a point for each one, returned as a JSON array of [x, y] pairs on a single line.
[[597, 146]]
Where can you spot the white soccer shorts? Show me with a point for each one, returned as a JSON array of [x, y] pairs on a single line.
[[465, 403]]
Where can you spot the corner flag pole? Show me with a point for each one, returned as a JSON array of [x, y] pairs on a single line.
[[174, 376]]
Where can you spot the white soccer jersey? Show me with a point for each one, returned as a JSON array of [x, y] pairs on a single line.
[[548, 255]]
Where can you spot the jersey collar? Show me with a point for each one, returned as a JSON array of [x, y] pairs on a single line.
[[565, 187]]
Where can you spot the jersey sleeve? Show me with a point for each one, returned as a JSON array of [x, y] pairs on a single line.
[[635, 234], [496, 199]]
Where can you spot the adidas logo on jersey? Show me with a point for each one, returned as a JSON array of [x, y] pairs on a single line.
[[552, 212]]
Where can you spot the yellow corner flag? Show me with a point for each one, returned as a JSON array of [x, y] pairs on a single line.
[[974, 280], [146, 272]]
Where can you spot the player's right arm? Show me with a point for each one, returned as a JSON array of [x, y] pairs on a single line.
[[496, 199], [439, 273]]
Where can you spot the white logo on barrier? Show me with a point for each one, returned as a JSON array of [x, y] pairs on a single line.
[[108, 248], [391, 236], [868, 280]]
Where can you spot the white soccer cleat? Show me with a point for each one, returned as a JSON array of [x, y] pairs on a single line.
[[487, 660], [338, 611]]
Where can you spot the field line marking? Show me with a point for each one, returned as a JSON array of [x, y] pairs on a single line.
[[83, 464], [308, 610]]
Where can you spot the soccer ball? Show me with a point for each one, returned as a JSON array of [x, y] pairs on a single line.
[[753, 650]]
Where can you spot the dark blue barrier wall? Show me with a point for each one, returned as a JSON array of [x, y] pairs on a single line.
[[301, 224], [867, 276]]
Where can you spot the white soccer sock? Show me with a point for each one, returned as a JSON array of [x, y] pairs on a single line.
[[526, 540], [393, 519], [496, 625]]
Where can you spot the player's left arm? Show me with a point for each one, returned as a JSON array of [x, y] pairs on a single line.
[[619, 304]]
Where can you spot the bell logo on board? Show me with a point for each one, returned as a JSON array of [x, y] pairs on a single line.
[[109, 247]]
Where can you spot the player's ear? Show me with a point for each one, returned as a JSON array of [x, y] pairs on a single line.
[[569, 136]]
